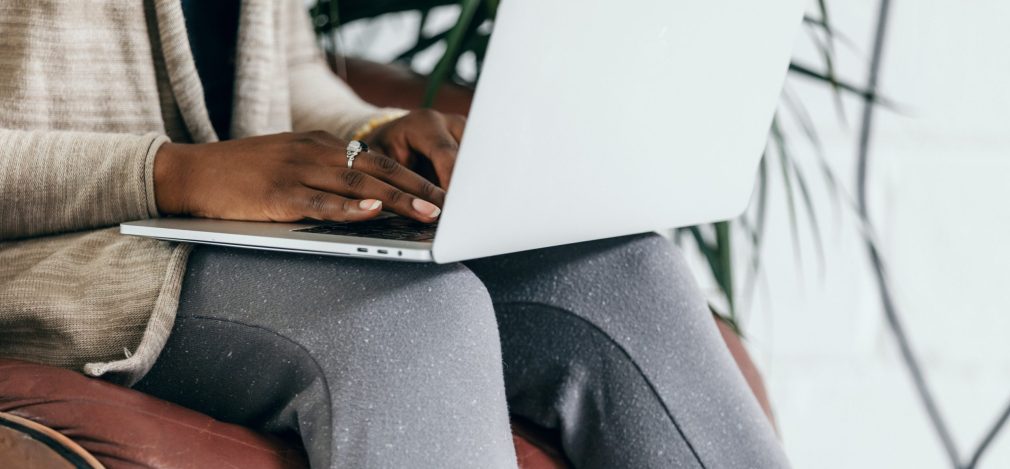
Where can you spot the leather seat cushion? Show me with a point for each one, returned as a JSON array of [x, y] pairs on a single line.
[[124, 428], [25, 444]]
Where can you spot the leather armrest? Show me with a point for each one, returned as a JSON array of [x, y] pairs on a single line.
[[124, 428], [25, 444]]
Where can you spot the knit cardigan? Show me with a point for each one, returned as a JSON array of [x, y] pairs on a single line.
[[89, 90]]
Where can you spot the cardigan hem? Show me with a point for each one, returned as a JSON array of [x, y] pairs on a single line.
[[131, 369]]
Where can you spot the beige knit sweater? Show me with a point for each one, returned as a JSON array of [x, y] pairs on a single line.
[[89, 90]]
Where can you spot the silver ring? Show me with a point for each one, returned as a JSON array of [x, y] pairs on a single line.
[[354, 147]]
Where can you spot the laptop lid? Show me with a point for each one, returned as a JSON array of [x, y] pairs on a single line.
[[595, 119]]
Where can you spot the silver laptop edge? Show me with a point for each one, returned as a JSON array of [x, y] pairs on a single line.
[[276, 237], [627, 117]]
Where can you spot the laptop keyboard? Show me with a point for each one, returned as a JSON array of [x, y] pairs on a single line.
[[396, 228]]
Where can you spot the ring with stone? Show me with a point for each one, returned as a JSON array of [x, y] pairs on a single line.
[[354, 147]]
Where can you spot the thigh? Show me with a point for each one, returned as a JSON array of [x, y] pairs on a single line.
[[638, 295], [350, 351], [250, 320], [236, 373]]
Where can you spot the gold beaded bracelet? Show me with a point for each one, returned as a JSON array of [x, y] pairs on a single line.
[[376, 122]]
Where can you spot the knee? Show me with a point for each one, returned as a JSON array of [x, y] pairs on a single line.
[[420, 366], [644, 268], [452, 306], [421, 316], [650, 270], [640, 281], [646, 254]]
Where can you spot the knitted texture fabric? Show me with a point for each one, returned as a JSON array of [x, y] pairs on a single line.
[[88, 93]]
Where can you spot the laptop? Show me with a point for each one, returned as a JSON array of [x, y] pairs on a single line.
[[591, 120]]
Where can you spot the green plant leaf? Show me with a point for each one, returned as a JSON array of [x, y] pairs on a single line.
[[803, 118], [726, 319], [492, 6], [815, 229], [453, 48], [707, 250], [787, 179], [723, 243], [335, 14], [831, 32], [353, 10], [826, 50], [420, 25], [421, 45], [756, 232], [808, 72], [717, 256]]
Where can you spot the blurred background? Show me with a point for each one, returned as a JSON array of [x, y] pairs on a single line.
[[802, 288]]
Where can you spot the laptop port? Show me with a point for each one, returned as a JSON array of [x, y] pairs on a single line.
[[362, 249], [383, 251]]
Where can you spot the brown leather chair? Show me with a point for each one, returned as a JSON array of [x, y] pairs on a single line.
[[51, 411], [27, 444]]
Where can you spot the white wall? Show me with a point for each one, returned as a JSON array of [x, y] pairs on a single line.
[[940, 193], [941, 186]]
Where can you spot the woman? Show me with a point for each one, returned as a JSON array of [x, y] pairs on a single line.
[[114, 111]]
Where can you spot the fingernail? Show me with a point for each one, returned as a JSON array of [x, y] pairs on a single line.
[[370, 204], [426, 208]]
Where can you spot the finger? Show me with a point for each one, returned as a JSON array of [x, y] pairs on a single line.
[[395, 147], [391, 172], [320, 205], [380, 166], [332, 154], [456, 124], [440, 147], [360, 185]]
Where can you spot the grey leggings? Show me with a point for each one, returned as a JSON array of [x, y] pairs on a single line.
[[378, 364]]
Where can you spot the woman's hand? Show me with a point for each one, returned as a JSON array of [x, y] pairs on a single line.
[[428, 134], [285, 178]]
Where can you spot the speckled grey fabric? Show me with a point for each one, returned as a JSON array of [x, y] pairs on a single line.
[[612, 343], [381, 364], [374, 364]]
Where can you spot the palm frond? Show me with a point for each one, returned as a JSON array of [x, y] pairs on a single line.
[[808, 72], [453, 49], [826, 48], [805, 122], [724, 248], [815, 229], [782, 152], [756, 230]]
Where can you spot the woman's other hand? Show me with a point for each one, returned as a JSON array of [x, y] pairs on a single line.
[[288, 177], [420, 139]]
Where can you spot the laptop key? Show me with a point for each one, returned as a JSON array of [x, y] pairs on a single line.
[[395, 228]]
